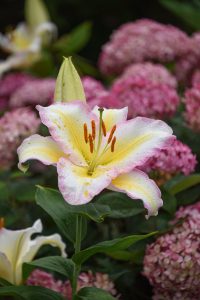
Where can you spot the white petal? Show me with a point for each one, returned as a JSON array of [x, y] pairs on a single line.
[[6, 271], [137, 185], [136, 141], [65, 122], [41, 148], [76, 186], [112, 117]]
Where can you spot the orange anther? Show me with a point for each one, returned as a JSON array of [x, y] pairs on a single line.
[[111, 133], [91, 143], [104, 128], [113, 144], [85, 132], [93, 129], [2, 223]]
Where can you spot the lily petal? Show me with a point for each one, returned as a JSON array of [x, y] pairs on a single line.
[[136, 141], [29, 248], [41, 148], [65, 122], [6, 271], [112, 117], [76, 186], [138, 185]]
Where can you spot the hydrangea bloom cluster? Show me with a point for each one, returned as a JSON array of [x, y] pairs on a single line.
[[14, 127], [172, 263], [98, 280], [189, 62], [192, 107], [9, 84], [38, 91], [140, 41], [145, 97], [154, 72], [175, 159]]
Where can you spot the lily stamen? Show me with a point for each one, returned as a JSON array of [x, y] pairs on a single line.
[[91, 143], [2, 223], [113, 144], [103, 128], [111, 133], [93, 129], [85, 132]]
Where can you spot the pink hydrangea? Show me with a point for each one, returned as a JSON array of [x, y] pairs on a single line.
[[46, 280], [14, 127], [187, 64], [142, 40], [172, 262], [175, 159], [10, 82], [33, 92], [96, 94], [145, 97], [89, 279], [154, 72], [192, 107]]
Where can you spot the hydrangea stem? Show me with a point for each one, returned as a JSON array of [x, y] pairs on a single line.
[[77, 248]]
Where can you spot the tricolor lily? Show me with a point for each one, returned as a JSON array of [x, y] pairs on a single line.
[[17, 247], [98, 149]]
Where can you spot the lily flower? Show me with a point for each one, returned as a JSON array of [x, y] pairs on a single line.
[[25, 42], [17, 247], [98, 149]]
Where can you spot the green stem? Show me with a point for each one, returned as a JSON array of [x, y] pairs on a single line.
[[77, 248]]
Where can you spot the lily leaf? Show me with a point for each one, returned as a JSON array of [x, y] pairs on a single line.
[[109, 247], [181, 183], [30, 293], [92, 293]]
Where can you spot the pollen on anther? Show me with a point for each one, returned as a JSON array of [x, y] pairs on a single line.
[[111, 133], [103, 128], [93, 129], [113, 144], [91, 143], [2, 223], [85, 132]]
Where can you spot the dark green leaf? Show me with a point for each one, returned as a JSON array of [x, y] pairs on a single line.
[[109, 247], [61, 265], [30, 293], [121, 206], [64, 214], [182, 183], [186, 11], [75, 40], [92, 293], [169, 202], [4, 282]]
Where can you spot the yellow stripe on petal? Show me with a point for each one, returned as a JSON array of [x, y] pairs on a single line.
[[41, 148], [137, 185]]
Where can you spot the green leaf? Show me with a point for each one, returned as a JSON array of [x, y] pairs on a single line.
[[75, 40], [182, 183], [68, 83], [169, 202], [35, 13], [61, 265], [186, 11], [64, 214], [30, 293], [92, 293], [109, 247], [4, 282], [121, 206]]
